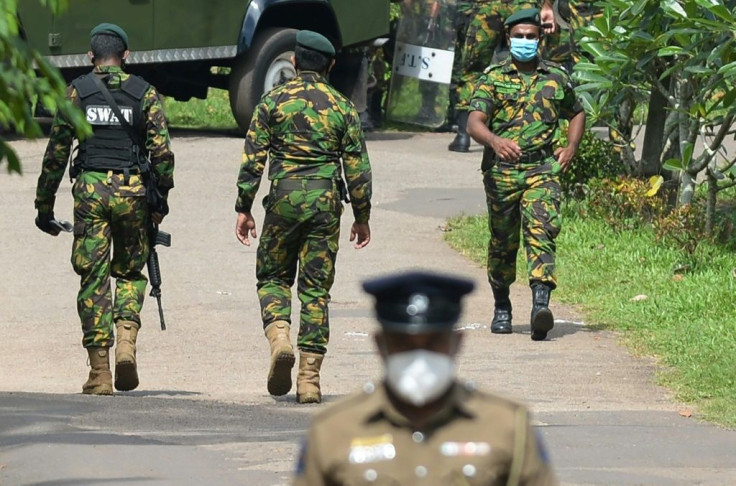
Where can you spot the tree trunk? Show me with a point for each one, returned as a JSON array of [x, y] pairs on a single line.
[[710, 222], [650, 163]]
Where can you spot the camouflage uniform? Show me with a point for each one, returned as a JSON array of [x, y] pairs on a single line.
[[304, 127], [562, 46], [524, 194], [109, 209], [484, 33]]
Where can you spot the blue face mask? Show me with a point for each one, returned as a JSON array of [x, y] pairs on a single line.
[[524, 50]]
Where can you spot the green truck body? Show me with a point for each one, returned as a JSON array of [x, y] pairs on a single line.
[[179, 45]]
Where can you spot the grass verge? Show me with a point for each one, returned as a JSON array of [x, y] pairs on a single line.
[[214, 112], [687, 321]]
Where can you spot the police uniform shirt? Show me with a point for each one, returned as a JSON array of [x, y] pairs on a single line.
[[475, 439]]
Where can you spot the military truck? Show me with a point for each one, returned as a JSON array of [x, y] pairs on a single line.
[[184, 47]]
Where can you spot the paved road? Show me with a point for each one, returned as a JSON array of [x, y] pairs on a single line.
[[202, 415]]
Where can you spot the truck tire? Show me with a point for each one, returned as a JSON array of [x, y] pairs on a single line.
[[265, 65]]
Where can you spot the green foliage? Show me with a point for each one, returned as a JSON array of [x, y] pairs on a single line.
[[686, 320], [683, 228], [596, 159], [213, 112], [624, 204], [26, 76], [684, 49]]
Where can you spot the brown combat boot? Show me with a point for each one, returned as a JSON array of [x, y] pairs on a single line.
[[282, 358], [126, 369], [307, 382], [100, 378]]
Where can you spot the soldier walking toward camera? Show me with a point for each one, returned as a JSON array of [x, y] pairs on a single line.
[[516, 108], [483, 27], [421, 425], [310, 133], [110, 205]]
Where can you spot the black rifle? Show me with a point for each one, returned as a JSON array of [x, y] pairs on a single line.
[[154, 198], [156, 237]]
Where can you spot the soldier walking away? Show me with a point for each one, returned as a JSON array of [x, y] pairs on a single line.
[[111, 170], [516, 109], [310, 134], [483, 27], [421, 425]]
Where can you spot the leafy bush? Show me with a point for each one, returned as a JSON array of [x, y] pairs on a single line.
[[626, 203], [596, 159]]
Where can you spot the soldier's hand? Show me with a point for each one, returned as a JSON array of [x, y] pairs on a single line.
[[547, 17], [361, 231], [245, 224], [506, 150], [43, 222], [157, 217], [564, 156]]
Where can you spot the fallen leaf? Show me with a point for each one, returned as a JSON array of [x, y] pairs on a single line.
[[445, 228], [642, 259], [686, 413], [678, 278], [639, 298]]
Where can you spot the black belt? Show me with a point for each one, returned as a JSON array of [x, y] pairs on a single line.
[[302, 184]]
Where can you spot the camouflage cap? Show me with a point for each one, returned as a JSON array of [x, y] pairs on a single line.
[[418, 302], [106, 28], [315, 42], [524, 16]]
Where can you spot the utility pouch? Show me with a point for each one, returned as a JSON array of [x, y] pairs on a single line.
[[489, 159]]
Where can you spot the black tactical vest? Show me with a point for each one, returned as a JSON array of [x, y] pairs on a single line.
[[110, 147]]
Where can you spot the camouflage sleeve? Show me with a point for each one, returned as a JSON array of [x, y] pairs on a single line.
[[483, 98], [570, 105], [255, 155], [54, 160], [158, 142], [357, 167]]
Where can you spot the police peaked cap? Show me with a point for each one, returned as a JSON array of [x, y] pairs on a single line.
[[106, 28], [525, 16], [418, 302], [315, 42]]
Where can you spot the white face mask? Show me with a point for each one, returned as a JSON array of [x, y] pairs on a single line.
[[419, 376]]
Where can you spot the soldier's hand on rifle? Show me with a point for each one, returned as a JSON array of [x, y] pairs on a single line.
[[157, 217], [547, 17], [43, 222], [361, 231], [245, 224]]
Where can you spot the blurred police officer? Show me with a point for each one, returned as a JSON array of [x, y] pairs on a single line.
[[310, 133], [516, 107], [420, 425], [110, 207]]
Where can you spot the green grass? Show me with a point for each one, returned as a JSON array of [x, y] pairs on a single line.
[[214, 112], [688, 322]]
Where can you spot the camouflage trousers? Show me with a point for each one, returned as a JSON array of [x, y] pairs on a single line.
[[523, 197], [109, 213], [484, 33], [301, 229]]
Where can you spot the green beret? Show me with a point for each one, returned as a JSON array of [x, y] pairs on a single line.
[[110, 29], [525, 16], [315, 42]]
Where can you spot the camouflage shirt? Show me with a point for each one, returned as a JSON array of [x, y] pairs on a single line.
[[305, 128], [62, 135], [525, 108]]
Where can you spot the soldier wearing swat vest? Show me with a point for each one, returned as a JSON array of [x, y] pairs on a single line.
[[516, 107], [421, 425], [310, 134], [110, 207]]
